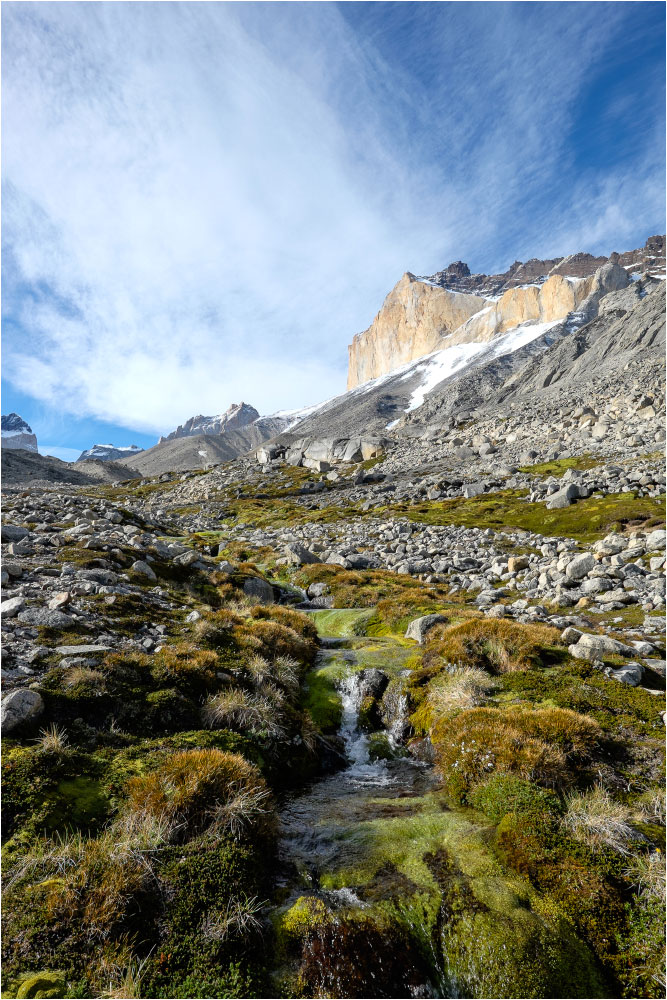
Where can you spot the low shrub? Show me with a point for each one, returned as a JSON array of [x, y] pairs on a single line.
[[186, 667], [507, 793], [538, 745], [491, 644]]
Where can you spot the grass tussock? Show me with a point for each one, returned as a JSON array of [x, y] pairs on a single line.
[[451, 691], [245, 711], [540, 745], [199, 791], [185, 666], [599, 820], [491, 644]]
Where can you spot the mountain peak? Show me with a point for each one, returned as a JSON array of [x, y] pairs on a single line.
[[235, 416], [17, 433]]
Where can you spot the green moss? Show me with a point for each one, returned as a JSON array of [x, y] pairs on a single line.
[[321, 699], [587, 520], [505, 793], [380, 748], [42, 984], [341, 623], [560, 466]]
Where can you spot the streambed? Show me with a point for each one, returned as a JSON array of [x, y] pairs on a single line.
[[384, 890]]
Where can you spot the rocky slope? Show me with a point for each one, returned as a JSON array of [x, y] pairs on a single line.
[[422, 315], [16, 433], [20, 466]]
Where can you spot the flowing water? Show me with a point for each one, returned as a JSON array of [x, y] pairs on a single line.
[[324, 849]]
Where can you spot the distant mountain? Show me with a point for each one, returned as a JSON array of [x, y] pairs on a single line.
[[238, 415], [16, 433], [108, 452]]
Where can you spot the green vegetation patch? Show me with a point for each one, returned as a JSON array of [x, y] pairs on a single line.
[[559, 466], [587, 520]]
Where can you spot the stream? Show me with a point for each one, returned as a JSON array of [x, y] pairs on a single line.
[[326, 832]]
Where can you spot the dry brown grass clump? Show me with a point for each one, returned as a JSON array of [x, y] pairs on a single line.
[[84, 676], [245, 711], [490, 644], [451, 691], [599, 821], [296, 620], [270, 639], [199, 791], [536, 744]]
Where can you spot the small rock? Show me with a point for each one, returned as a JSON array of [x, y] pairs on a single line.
[[418, 628], [11, 607]]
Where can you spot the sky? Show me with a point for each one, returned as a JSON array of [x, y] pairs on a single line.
[[203, 202]]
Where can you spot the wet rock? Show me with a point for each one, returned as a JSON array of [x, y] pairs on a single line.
[[259, 590]]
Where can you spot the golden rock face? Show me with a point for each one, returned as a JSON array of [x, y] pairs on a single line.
[[418, 318]]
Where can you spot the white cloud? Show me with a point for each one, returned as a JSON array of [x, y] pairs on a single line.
[[209, 200]]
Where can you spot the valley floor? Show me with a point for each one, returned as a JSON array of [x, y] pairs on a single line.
[[228, 771]]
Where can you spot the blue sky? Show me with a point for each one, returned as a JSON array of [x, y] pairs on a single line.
[[204, 202]]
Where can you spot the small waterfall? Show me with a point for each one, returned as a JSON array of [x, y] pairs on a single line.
[[361, 769]]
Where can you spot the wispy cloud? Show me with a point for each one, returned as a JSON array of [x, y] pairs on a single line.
[[204, 202]]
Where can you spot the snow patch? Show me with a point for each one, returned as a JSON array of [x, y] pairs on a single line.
[[436, 367]]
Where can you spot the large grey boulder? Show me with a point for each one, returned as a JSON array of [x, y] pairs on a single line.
[[259, 590], [473, 490], [43, 616], [563, 497], [418, 628], [20, 708], [594, 647], [299, 555], [142, 568], [656, 540], [13, 533], [580, 566], [629, 673]]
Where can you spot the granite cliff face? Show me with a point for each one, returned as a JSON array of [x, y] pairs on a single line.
[[414, 319], [425, 314]]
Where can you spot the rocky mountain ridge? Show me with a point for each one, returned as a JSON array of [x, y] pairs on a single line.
[[421, 315], [17, 434], [236, 416], [109, 452]]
